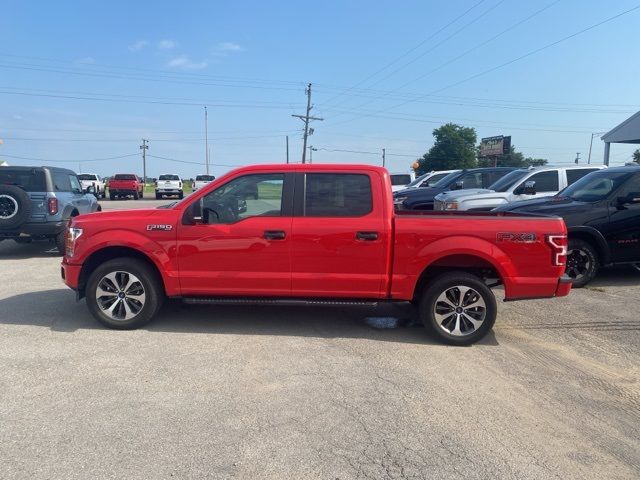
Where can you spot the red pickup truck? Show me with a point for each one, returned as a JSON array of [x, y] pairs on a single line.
[[316, 235], [125, 185]]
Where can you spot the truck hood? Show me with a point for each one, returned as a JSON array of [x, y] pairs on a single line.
[[462, 194]]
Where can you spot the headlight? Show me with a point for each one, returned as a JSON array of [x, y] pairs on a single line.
[[72, 235], [399, 200], [450, 206]]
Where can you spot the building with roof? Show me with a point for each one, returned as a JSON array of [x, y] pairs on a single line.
[[627, 132]]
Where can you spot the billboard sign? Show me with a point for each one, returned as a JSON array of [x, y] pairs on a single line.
[[495, 146]]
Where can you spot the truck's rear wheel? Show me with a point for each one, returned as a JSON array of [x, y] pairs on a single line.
[[582, 262], [458, 307], [124, 293], [136, 196]]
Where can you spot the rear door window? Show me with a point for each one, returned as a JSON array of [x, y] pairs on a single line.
[[545, 181], [576, 174], [337, 195], [61, 182], [75, 184]]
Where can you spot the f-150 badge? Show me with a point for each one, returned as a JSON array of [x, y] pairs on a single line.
[[164, 228]]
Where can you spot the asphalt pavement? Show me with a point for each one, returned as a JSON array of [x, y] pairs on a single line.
[[272, 392]]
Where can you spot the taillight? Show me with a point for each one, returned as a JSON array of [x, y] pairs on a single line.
[[52, 205], [558, 245]]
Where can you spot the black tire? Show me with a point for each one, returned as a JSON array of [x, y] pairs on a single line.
[[149, 282], [112, 196], [158, 196], [142, 194], [451, 317], [136, 196], [582, 262], [15, 206], [181, 195], [60, 243]]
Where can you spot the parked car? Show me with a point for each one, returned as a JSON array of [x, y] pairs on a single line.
[[312, 235], [602, 213], [37, 203], [429, 179], [423, 198], [201, 181], [91, 179], [169, 185], [521, 184], [126, 185], [401, 180]]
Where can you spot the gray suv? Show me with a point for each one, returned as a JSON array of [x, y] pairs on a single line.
[[37, 202]]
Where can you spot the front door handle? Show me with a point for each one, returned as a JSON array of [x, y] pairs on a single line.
[[274, 235], [367, 236]]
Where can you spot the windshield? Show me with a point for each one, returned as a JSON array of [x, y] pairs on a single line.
[[86, 176], [400, 179], [508, 180], [169, 177], [418, 180], [446, 180], [595, 186], [205, 178]]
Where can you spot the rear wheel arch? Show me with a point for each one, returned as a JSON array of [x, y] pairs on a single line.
[[103, 255], [595, 239], [472, 264]]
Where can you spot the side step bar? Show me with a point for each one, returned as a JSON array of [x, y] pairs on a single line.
[[279, 301]]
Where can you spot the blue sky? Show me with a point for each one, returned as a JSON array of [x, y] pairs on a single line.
[[86, 80]]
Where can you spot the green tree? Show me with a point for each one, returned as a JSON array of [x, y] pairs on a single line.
[[636, 155], [454, 147], [511, 159]]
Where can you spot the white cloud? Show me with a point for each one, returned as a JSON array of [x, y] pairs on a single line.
[[186, 63], [18, 117], [138, 45], [228, 47], [86, 61], [166, 44]]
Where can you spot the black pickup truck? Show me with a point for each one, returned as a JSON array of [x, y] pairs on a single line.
[[602, 213]]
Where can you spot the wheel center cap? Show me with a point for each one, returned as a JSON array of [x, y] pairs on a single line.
[[121, 295], [458, 309]]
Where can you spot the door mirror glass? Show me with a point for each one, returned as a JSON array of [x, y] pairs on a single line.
[[459, 185], [91, 189]]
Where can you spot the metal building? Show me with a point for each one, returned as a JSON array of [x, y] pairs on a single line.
[[627, 132]]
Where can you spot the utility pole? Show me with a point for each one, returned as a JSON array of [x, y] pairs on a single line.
[[306, 118], [287, 148], [577, 157], [144, 147], [384, 151], [206, 141], [594, 134]]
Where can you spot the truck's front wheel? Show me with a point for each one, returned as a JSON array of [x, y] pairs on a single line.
[[458, 307], [124, 293]]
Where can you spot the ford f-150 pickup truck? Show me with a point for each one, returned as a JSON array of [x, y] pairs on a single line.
[[317, 235]]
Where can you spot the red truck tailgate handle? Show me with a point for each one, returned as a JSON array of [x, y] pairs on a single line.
[[367, 236], [274, 235]]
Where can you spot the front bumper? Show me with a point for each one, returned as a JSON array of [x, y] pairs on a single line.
[[70, 274], [168, 191]]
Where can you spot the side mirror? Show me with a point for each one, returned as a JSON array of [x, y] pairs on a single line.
[[91, 189], [629, 199], [529, 187], [459, 185], [193, 214]]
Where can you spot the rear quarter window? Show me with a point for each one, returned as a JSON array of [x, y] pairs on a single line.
[[28, 180], [337, 195]]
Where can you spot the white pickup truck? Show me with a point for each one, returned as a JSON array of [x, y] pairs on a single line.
[[521, 184], [169, 185], [92, 180], [202, 180]]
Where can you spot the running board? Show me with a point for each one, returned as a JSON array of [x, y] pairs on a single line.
[[278, 301]]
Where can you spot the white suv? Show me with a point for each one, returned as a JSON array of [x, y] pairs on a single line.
[[169, 185], [521, 184], [92, 180]]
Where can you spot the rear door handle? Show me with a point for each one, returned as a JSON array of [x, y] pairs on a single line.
[[274, 235], [367, 236]]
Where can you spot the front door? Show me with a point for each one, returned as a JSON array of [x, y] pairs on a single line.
[[340, 236], [623, 231], [242, 243]]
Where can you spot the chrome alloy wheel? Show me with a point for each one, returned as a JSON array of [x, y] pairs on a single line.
[[578, 263], [460, 310], [120, 295], [8, 207]]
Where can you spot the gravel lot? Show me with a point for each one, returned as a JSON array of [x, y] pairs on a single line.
[[222, 392]]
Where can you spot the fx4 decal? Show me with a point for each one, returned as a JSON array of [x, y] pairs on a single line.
[[515, 237]]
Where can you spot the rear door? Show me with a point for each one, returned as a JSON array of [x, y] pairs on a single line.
[[623, 231], [340, 237]]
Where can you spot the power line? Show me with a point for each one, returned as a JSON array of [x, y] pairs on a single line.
[[502, 65], [68, 161], [190, 162]]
